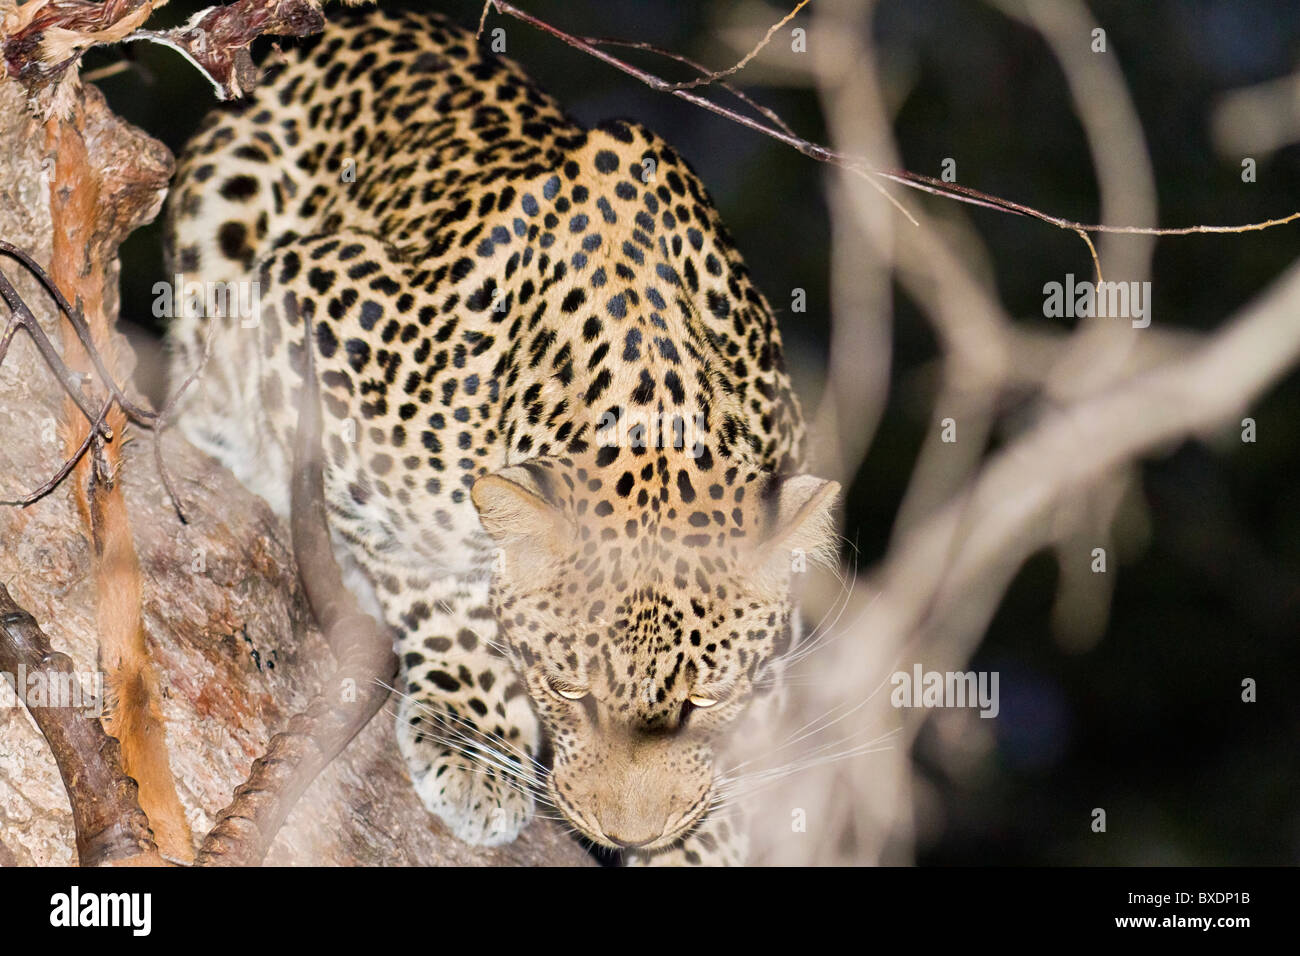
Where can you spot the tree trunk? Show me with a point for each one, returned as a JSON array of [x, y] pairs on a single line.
[[232, 652]]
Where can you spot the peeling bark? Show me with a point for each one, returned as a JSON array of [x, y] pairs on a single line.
[[93, 209]]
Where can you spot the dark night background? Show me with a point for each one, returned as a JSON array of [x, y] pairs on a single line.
[[1149, 723]]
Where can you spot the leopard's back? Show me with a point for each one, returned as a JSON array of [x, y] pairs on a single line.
[[488, 282]]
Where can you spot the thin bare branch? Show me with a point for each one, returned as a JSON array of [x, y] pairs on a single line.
[[23, 318], [856, 165], [713, 77], [739, 94]]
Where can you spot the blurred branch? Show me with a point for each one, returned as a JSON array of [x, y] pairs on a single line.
[[863, 240], [973, 544], [1098, 351], [1258, 119]]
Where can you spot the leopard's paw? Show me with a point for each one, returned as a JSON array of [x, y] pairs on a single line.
[[478, 804], [484, 801]]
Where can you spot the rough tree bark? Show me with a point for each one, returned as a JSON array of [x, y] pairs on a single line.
[[231, 646]]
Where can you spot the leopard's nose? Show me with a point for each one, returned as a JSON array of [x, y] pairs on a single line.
[[622, 839], [631, 826]]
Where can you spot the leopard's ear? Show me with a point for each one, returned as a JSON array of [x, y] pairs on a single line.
[[518, 509], [800, 530]]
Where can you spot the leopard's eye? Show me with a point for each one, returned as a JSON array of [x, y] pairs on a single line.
[[564, 689], [696, 702]]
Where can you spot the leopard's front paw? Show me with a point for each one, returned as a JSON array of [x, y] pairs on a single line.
[[485, 801], [478, 804]]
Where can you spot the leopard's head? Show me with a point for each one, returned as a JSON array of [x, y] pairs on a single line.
[[645, 602]]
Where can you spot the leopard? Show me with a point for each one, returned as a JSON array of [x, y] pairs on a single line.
[[564, 461]]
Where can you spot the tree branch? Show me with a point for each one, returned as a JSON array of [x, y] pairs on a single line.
[[109, 824]]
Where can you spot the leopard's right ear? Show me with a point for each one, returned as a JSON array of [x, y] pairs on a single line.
[[519, 510], [799, 520]]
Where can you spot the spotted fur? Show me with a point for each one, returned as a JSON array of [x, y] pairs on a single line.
[[563, 455]]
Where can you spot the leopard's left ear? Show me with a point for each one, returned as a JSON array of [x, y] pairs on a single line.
[[518, 509], [801, 527]]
